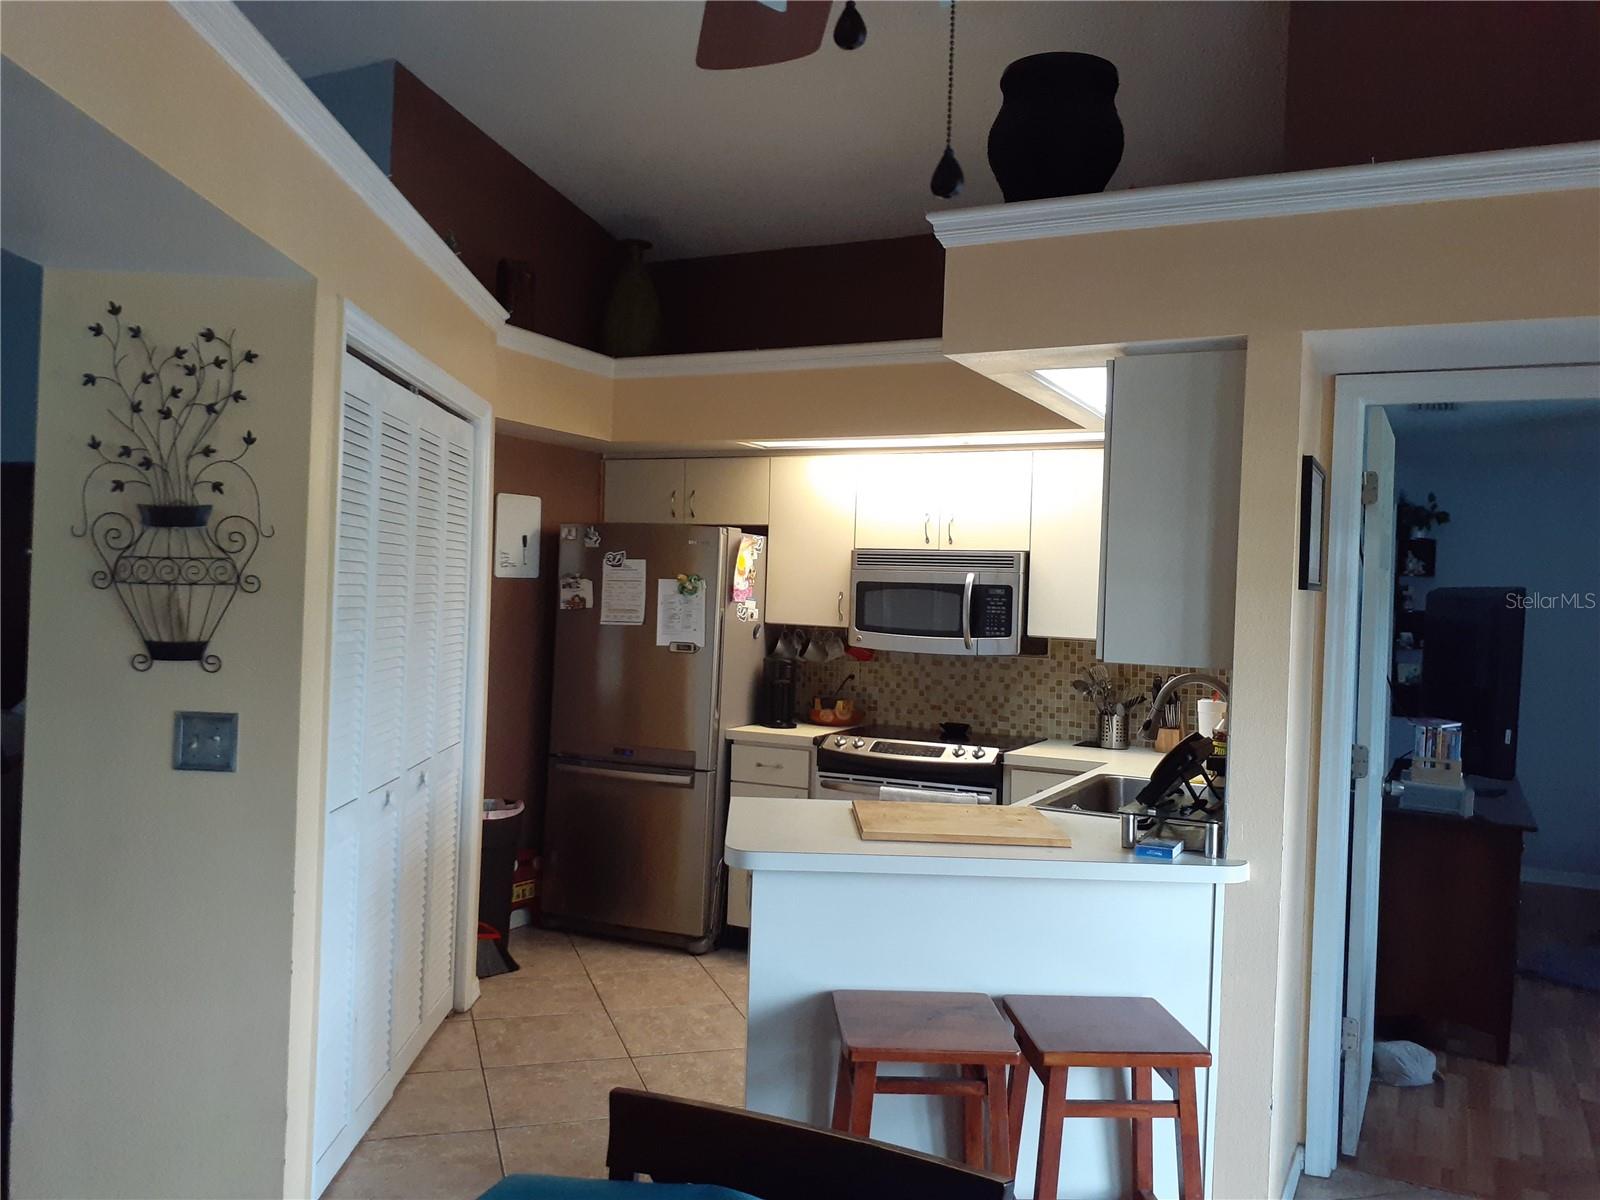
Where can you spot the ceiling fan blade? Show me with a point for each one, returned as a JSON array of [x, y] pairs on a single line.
[[751, 33]]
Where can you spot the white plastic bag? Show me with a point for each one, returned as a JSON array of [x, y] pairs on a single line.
[[1403, 1064]]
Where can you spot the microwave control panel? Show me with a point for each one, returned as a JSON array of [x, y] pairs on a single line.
[[991, 611]]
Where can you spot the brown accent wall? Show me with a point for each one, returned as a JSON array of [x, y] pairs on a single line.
[[470, 187], [522, 620], [879, 291], [1384, 81]]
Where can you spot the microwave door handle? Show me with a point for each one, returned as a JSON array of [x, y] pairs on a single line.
[[966, 610]]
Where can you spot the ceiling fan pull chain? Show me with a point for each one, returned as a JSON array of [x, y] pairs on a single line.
[[947, 176]]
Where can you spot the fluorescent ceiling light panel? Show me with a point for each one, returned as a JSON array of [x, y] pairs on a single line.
[[1048, 437], [1085, 386]]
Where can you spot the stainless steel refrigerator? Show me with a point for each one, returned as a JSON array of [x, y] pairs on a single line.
[[636, 806]]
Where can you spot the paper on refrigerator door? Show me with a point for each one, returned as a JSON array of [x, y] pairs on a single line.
[[679, 618], [622, 582]]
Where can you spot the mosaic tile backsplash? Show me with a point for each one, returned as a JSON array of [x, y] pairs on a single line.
[[1030, 696]]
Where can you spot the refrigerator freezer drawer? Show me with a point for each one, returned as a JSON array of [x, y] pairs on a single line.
[[630, 848]]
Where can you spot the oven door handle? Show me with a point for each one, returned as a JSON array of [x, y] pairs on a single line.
[[966, 610], [850, 786]]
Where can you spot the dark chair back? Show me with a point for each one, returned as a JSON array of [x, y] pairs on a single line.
[[685, 1141]]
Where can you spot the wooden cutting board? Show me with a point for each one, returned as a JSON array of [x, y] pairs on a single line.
[[981, 824]]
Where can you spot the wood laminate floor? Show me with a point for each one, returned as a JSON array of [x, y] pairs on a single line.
[[1526, 1131]]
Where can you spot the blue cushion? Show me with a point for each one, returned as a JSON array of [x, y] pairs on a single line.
[[555, 1187]]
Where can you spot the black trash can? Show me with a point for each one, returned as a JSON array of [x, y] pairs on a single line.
[[502, 824]]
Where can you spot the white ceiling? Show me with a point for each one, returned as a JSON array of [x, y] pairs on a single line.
[[74, 196], [604, 101]]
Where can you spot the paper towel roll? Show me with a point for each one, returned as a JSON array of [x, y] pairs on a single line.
[[1210, 715]]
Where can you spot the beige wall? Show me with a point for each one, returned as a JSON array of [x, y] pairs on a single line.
[[1270, 282], [856, 402], [154, 938]]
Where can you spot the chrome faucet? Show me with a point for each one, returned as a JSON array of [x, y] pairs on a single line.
[[1172, 685]]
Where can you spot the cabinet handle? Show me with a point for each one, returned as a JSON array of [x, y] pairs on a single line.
[[841, 606], [672, 504], [927, 521], [770, 766], [950, 532], [388, 797], [423, 782], [691, 503]]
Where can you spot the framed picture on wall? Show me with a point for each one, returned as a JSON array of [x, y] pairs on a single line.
[[1313, 504]]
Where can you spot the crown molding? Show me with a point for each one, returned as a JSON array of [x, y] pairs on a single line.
[[797, 358], [1419, 181], [227, 31], [538, 345]]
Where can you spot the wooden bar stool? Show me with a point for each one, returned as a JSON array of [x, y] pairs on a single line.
[[1060, 1032], [963, 1029]]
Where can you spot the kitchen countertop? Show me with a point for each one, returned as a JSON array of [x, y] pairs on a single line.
[[821, 836], [801, 735], [1054, 755]]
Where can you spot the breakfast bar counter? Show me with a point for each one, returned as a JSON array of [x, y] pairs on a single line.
[[830, 911]]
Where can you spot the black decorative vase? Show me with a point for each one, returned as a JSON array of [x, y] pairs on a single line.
[[1057, 133]]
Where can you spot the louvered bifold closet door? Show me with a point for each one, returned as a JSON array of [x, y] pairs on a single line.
[[444, 827], [340, 883], [421, 703], [383, 743], [379, 824], [354, 556], [444, 824], [455, 582]]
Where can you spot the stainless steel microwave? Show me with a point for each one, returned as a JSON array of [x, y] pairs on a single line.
[[938, 601]]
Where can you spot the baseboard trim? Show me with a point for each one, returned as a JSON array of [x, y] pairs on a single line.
[[1297, 1166], [1574, 879]]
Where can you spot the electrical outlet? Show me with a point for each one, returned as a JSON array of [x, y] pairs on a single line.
[[205, 741]]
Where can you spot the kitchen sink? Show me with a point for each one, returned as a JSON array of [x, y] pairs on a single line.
[[1116, 796], [1099, 795]]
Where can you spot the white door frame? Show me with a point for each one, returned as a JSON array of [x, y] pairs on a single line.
[[1353, 395], [363, 333]]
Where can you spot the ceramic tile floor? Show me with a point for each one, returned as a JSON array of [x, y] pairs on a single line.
[[519, 1084]]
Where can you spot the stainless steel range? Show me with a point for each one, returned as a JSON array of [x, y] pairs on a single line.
[[893, 763]]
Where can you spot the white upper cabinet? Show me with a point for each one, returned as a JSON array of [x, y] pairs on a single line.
[[695, 491], [1064, 546], [963, 501], [644, 490], [897, 502], [985, 499], [812, 532], [1174, 432], [726, 491]]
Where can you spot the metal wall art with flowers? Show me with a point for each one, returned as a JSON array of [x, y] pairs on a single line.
[[177, 568]]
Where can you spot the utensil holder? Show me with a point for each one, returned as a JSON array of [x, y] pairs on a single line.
[[1113, 732]]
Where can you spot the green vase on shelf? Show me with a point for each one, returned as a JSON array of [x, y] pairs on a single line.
[[633, 314]]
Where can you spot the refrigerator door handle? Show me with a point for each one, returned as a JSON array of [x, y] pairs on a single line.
[[684, 780]]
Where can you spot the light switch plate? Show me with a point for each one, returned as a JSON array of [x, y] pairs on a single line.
[[516, 536], [205, 741]]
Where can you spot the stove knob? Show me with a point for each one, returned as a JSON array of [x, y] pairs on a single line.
[[980, 752], [958, 752], [858, 743], [840, 740]]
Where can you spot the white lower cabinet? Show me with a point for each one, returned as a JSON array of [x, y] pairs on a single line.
[[768, 772]]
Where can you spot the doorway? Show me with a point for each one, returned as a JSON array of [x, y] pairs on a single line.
[[1433, 927]]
